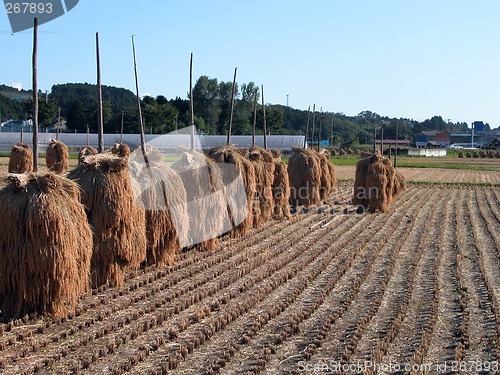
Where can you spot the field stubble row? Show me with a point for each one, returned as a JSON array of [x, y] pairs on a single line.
[[420, 284]]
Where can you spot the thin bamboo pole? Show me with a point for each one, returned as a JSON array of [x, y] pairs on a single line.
[[264, 117], [35, 96], [332, 131], [191, 103], [319, 129], [100, 125], [396, 152], [121, 129], [307, 126], [382, 140], [141, 125], [254, 117], [229, 130], [58, 124], [313, 121]]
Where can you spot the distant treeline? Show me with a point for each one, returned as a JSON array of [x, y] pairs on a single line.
[[77, 103]]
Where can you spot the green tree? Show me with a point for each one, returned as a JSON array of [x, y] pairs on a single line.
[[78, 118], [225, 93], [47, 111], [206, 100], [11, 109], [160, 118]]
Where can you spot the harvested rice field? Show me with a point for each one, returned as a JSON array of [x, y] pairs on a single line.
[[433, 175], [415, 290]]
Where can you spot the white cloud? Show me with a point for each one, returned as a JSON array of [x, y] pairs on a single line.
[[17, 85]]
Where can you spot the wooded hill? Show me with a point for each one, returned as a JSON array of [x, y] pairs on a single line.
[[78, 104]]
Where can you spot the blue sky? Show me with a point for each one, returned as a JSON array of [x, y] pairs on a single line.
[[396, 58]]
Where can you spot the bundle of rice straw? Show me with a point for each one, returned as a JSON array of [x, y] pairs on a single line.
[[119, 225], [86, 151], [325, 155], [21, 158], [262, 205], [45, 245], [206, 200], [281, 188], [374, 185], [57, 157], [243, 169], [304, 173], [121, 149], [326, 177], [160, 191]]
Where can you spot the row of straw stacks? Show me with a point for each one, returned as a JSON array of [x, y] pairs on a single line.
[[119, 210], [21, 158]]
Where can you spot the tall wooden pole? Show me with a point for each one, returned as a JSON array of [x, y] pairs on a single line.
[[396, 152], [332, 130], [35, 96], [382, 140], [374, 139], [264, 117], [100, 125], [121, 129], [229, 129], [307, 126], [254, 117], [319, 130], [141, 125], [58, 124], [313, 120], [191, 103]]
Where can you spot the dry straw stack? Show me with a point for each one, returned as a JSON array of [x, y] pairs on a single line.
[[328, 174], [57, 157], [119, 225], [21, 158], [160, 191], [45, 245], [86, 151], [281, 188], [304, 172], [244, 168], [262, 205], [121, 149], [206, 199], [376, 183]]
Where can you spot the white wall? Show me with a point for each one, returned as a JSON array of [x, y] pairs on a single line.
[[427, 152]]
